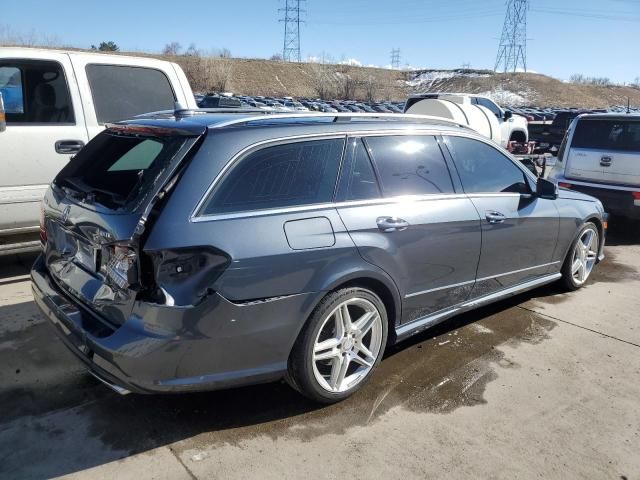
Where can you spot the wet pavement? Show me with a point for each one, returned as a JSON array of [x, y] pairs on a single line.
[[545, 384]]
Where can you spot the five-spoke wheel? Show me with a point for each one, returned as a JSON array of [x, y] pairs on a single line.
[[341, 345], [582, 257]]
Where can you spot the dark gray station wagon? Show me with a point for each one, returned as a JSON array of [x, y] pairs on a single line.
[[191, 251]]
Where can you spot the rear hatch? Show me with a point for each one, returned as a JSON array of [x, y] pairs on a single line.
[[99, 206], [606, 151]]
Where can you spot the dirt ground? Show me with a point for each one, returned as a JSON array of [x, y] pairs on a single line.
[[546, 385]]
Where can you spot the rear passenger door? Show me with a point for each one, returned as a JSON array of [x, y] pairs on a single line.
[[405, 216], [519, 229]]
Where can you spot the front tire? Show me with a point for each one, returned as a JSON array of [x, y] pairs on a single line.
[[581, 258], [340, 346]]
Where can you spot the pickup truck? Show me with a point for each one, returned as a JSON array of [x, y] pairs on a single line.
[[513, 128], [54, 103]]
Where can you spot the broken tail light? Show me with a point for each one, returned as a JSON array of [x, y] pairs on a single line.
[[43, 227], [185, 276], [118, 264]]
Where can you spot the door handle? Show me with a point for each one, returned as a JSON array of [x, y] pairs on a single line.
[[66, 147], [391, 224], [605, 161], [495, 217]]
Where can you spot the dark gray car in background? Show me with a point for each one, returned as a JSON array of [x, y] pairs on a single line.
[[189, 250]]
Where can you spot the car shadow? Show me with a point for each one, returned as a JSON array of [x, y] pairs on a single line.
[[57, 419], [15, 268], [623, 232]]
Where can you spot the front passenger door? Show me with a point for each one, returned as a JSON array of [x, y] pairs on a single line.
[[519, 229]]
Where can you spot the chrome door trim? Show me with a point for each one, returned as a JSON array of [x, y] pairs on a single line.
[[404, 331], [454, 285]]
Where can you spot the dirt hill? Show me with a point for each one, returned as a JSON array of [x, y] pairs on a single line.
[[265, 77]]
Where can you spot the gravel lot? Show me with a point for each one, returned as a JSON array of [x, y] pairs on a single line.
[[544, 385]]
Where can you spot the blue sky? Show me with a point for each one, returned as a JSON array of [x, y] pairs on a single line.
[[596, 38]]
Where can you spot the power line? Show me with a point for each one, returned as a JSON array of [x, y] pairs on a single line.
[[395, 58], [292, 21], [512, 52]]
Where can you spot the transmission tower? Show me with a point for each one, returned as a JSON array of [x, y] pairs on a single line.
[[395, 58], [292, 21], [512, 52]]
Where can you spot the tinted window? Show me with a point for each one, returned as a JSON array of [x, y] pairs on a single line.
[[410, 165], [121, 92], [286, 175], [607, 135], [35, 92], [484, 169], [358, 179]]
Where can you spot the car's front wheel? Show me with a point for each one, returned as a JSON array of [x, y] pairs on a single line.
[[582, 257], [340, 346]]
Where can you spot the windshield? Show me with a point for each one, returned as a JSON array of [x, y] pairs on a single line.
[[113, 169], [621, 135]]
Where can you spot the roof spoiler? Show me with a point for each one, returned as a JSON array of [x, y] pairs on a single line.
[[151, 130]]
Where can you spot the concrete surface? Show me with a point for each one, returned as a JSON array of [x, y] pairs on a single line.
[[546, 385]]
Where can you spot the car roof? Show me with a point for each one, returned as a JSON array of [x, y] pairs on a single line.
[[198, 121], [610, 116]]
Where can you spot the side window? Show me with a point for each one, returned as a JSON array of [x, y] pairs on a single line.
[[293, 174], [35, 92], [410, 165], [358, 179], [490, 105], [484, 169], [121, 92]]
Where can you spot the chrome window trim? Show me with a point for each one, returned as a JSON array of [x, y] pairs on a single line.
[[454, 285], [324, 206], [196, 216]]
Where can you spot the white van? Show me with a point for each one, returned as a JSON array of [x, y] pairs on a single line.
[[55, 102], [600, 156]]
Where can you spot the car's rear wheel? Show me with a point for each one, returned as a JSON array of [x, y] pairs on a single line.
[[340, 346], [582, 257]]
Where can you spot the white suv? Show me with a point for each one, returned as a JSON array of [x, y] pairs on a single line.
[[600, 155]]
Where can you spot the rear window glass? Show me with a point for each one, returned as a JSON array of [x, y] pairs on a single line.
[[115, 169], [607, 135], [122, 92], [287, 175]]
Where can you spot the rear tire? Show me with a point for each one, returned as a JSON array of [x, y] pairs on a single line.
[[340, 346], [581, 258]]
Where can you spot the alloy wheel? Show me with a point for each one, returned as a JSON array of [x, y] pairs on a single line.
[[585, 255], [347, 345]]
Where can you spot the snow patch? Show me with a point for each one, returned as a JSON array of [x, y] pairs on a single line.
[[507, 97], [426, 80]]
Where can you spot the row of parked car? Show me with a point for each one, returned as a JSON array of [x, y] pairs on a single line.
[[289, 104]]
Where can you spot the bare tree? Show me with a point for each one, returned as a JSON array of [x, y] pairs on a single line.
[[220, 72], [347, 83], [172, 49], [371, 87], [323, 81], [224, 53]]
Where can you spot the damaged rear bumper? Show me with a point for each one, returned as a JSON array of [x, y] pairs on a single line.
[[217, 344]]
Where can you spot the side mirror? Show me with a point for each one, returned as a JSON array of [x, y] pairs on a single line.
[[507, 115], [3, 116], [546, 189]]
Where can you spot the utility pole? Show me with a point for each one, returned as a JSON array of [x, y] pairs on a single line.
[[395, 58], [466, 67], [512, 52], [292, 21]]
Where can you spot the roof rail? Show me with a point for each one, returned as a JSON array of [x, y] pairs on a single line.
[[339, 117]]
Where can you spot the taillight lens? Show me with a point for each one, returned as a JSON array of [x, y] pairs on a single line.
[[43, 227], [636, 195], [564, 185], [119, 264]]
